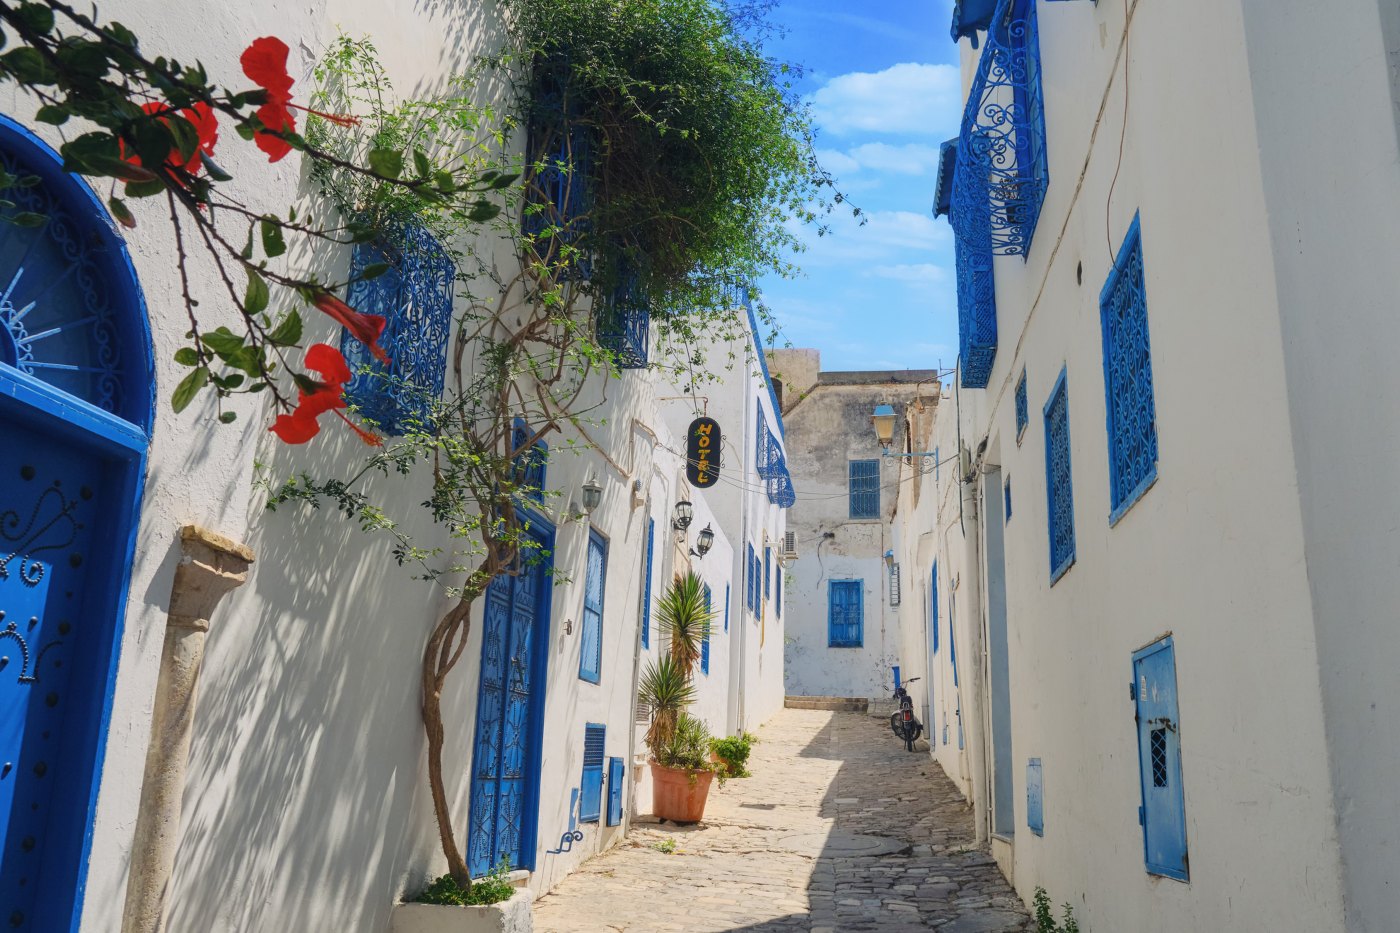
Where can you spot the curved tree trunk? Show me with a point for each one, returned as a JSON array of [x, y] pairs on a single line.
[[439, 656]]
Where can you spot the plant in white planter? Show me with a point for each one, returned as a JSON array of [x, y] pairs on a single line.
[[491, 905]]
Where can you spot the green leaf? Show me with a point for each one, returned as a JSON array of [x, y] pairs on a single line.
[[116, 168], [374, 270], [420, 162], [188, 388], [187, 356], [78, 152], [386, 162], [223, 341], [247, 251], [445, 182], [247, 359], [185, 135], [28, 219], [255, 297], [247, 129], [483, 211], [228, 417], [288, 331], [273, 244], [53, 114], [503, 181], [144, 189], [215, 172], [231, 381], [36, 16]]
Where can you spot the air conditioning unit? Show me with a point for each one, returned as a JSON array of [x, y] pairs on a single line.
[[789, 551]]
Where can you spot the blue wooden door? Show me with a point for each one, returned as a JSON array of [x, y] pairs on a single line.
[[506, 754], [75, 404], [1159, 759]]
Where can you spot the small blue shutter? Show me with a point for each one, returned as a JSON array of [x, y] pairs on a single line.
[[865, 488], [1159, 760], [591, 790], [646, 586], [726, 607], [1023, 409], [615, 772], [705, 641], [933, 609], [1059, 489], [1008, 500], [845, 614], [778, 592], [767, 571], [590, 662], [1035, 797]]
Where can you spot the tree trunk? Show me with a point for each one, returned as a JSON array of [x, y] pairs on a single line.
[[436, 664]]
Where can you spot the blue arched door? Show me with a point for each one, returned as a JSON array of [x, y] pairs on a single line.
[[75, 410]]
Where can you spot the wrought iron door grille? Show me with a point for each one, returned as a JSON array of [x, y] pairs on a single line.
[[1159, 757]]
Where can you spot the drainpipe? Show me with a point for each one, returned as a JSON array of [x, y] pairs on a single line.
[[973, 699], [210, 567]]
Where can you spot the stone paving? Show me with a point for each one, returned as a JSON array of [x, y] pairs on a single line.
[[840, 830]]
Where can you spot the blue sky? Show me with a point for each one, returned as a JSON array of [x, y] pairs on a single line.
[[884, 87]]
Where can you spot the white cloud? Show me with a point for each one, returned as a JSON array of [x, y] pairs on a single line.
[[921, 274], [907, 159], [909, 99], [837, 162]]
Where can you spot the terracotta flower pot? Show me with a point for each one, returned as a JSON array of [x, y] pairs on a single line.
[[679, 795]]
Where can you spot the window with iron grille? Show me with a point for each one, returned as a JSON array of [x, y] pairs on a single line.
[[1059, 488], [977, 311], [558, 189], [778, 592], [894, 585], [590, 801], [767, 571], [1023, 411], [1127, 379], [933, 610], [865, 488], [414, 296], [624, 322], [590, 662], [705, 638], [528, 467], [646, 585], [845, 614], [1007, 492], [726, 607]]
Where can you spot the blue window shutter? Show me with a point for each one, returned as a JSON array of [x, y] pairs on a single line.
[[590, 662], [1059, 487], [726, 607], [1035, 797], [646, 586], [767, 570], [1023, 411], [616, 770], [778, 593], [528, 468], [933, 609], [845, 620], [864, 488], [1127, 379], [1007, 489], [935, 464], [591, 790], [705, 640], [1159, 761], [977, 309]]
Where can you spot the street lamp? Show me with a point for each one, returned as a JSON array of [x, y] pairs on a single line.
[[684, 512], [592, 495], [704, 541], [884, 419], [889, 559]]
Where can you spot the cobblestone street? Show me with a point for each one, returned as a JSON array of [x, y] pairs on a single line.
[[791, 848]]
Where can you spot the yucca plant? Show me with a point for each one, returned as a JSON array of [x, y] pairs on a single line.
[[668, 690], [683, 615]]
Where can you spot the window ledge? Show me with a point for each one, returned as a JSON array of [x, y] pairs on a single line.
[[1132, 498]]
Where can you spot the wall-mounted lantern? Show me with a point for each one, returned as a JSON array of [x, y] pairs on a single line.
[[703, 542], [884, 420], [592, 495], [684, 512], [889, 559]]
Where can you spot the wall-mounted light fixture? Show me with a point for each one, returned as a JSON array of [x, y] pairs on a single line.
[[884, 419], [684, 513], [889, 559], [592, 495], [703, 542]]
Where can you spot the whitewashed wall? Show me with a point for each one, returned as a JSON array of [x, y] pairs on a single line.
[[1250, 549]]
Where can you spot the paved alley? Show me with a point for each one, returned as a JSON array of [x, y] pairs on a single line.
[[838, 829]]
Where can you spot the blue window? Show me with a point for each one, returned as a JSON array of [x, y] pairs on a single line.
[[1007, 491], [933, 609], [415, 299], [590, 800], [705, 638], [1035, 797], [845, 614], [1059, 489], [750, 603], [778, 592], [528, 467], [558, 184], [624, 322], [865, 488], [1023, 411], [767, 571], [977, 309], [1127, 379], [1163, 815], [616, 770], [726, 607], [646, 585], [590, 662]]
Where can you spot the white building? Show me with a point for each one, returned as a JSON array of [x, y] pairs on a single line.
[[304, 798], [843, 635], [1161, 578]]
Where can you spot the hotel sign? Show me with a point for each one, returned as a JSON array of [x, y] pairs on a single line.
[[702, 452]]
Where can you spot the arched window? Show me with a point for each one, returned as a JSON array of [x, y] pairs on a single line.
[[415, 298]]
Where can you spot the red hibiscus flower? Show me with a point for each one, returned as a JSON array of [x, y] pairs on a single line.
[[265, 62], [206, 126], [301, 425], [366, 328]]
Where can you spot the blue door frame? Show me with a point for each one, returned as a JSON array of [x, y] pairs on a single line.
[[494, 819], [68, 556]]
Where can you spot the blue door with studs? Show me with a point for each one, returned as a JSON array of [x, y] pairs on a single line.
[[75, 410], [510, 716]]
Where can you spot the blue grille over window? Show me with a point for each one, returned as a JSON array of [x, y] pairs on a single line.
[[415, 299], [590, 800], [977, 310], [726, 607], [865, 488], [529, 464], [590, 662], [1023, 411], [1127, 371], [624, 323], [845, 619], [772, 465], [1001, 173], [646, 586], [778, 592], [705, 638], [1008, 499], [1058, 482], [933, 612], [558, 191], [767, 572]]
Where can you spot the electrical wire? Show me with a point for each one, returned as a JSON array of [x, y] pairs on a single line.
[[1122, 133]]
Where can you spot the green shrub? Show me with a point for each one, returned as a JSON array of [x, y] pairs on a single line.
[[1045, 920], [492, 889], [734, 752], [689, 746]]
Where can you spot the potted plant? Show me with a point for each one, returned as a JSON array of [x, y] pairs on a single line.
[[681, 766], [490, 905]]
